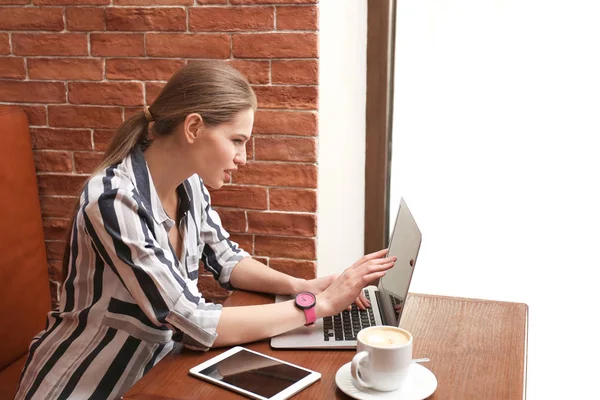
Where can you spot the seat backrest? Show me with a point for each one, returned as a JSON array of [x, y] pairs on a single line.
[[24, 285]]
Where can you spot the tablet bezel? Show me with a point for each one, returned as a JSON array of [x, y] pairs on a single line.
[[311, 378]]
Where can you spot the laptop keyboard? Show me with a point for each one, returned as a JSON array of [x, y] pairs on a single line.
[[347, 324]]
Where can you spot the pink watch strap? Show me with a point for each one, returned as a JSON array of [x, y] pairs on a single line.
[[311, 316]]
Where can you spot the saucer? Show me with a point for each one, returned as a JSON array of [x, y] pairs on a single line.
[[421, 383]]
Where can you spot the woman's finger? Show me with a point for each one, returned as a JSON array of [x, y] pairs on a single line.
[[373, 276], [362, 302], [371, 256], [379, 267], [380, 261]]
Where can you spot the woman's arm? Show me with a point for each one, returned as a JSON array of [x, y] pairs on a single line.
[[250, 274], [246, 324]]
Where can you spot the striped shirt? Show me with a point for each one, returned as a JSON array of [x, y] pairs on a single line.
[[127, 296]]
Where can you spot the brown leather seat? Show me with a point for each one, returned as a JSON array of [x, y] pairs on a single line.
[[24, 285]]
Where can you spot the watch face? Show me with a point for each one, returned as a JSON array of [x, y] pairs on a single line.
[[305, 299]]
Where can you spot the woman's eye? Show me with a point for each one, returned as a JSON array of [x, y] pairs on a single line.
[[237, 141]]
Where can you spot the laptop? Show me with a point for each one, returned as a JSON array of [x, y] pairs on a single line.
[[387, 298]]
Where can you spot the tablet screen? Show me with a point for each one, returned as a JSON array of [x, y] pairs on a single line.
[[255, 373]]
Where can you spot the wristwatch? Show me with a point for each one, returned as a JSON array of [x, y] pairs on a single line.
[[306, 301]]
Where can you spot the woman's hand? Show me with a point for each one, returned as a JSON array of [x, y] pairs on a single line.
[[348, 286], [319, 285]]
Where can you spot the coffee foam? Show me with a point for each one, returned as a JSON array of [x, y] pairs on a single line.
[[384, 337]]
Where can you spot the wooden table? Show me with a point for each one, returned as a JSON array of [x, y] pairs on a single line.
[[478, 350]]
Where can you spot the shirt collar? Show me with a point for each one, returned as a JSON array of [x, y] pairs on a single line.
[[148, 193]]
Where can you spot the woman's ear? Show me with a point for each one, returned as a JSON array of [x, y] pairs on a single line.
[[192, 127]]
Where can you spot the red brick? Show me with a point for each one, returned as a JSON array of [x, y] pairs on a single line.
[[50, 44], [145, 19], [277, 246], [141, 68], [153, 90], [86, 163], [282, 224], [102, 138], [250, 149], [285, 149], [232, 220], [31, 18], [211, 289], [71, 2], [61, 185], [303, 18], [263, 260], [55, 271], [243, 241], [12, 68], [32, 92], [250, 197], [275, 174], [299, 72], [61, 139], [187, 45], [153, 2], [292, 200], [285, 123], [211, 1], [36, 115], [4, 44], [58, 207], [14, 2], [286, 97], [84, 117], [117, 44], [53, 161], [56, 228], [131, 111], [106, 93], [55, 250], [85, 19], [65, 68], [254, 71], [231, 19], [297, 268], [275, 45]]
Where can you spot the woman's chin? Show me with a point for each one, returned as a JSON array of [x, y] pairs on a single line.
[[215, 184]]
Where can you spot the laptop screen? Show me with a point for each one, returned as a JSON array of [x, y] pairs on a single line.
[[404, 244]]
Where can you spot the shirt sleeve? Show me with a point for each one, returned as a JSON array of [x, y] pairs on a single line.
[[220, 254], [123, 233]]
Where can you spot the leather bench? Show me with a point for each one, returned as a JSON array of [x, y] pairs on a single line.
[[24, 286]]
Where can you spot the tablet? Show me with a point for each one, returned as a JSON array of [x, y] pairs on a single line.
[[255, 375]]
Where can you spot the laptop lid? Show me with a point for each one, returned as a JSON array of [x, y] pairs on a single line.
[[405, 243]]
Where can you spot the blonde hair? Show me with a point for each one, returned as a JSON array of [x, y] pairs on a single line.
[[213, 89]]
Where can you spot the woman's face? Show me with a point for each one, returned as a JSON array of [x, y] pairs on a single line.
[[219, 150]]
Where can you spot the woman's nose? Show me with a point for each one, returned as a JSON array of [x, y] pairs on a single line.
[[240, 158]]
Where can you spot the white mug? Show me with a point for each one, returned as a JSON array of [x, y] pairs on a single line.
[[384, 356]]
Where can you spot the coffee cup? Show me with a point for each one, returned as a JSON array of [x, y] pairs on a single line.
[[384, 356]]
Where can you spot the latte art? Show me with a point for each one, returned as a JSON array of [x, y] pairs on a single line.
[[384, 337]]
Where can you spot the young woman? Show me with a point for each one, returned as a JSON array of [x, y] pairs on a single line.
[[143, 223]]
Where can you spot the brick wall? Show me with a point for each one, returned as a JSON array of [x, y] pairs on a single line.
[[80, 67]]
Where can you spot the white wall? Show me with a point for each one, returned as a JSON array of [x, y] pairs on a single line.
[[496, 150], [341, 155]]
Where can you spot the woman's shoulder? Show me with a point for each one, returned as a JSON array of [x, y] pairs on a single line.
[[107, 182]]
